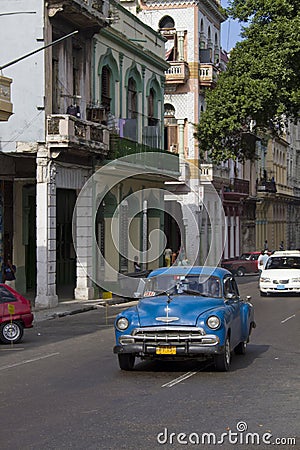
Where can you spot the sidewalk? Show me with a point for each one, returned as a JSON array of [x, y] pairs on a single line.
[[69, 307]]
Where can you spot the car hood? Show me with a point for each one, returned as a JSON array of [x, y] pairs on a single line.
[[280, 274], [182, 310]]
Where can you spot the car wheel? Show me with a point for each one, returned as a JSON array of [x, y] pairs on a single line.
[[11, 332], [222, 362], [240, 272], [126, 361], [240, 349]]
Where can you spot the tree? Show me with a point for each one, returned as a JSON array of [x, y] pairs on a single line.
[[261, 84]]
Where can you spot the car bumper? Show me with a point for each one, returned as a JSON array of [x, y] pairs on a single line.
[[187, 349], [27, 320], [273, 289]]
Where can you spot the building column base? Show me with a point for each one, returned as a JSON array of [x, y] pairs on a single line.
[[87, 293], [46, 301]]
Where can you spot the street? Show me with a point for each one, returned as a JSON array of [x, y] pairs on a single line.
[[61, 388]]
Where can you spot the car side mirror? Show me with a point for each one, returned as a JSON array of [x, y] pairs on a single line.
[[248, 298]]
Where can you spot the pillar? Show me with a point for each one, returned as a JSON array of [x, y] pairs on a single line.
[[46, 231], [180, 123], [84, 245], [180, 37]]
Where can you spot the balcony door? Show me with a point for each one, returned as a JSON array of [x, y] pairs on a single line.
[[65, 254], [170, 129]]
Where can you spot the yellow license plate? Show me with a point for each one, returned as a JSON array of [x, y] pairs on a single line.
[[166, 350]]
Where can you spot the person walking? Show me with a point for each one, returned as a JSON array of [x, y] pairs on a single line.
[[262, 259], [136, 264], [8, 273], [168, 254]]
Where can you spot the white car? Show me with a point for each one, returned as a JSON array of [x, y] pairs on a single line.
[[281, 273]]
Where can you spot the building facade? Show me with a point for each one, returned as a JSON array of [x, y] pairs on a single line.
[[66, 106]]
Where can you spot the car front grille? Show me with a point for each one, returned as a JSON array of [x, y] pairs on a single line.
[[172, 336], [280, 281]]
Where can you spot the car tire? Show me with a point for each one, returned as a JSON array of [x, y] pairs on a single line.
[[11, 332], [222, 361], [240, 349], [240, 271], [126, 361]]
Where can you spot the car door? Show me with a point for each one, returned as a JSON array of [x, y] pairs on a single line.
[[233, 304], [1, 303], [6, 298]]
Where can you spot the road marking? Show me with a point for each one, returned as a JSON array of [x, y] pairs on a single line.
[[179, 379], [288, 318], [28, 361]]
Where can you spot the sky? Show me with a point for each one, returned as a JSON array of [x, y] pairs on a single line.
[[230, 31]]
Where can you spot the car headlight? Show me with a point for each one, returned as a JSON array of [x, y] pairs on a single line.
[[122, 324], [213, 322], [265, 279], [295, 280]]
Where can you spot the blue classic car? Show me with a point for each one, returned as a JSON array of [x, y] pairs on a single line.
[[185, 312]]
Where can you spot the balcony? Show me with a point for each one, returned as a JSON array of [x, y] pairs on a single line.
[[144, 155], [237, 190], [66, 131], [6, 106], [208, 75], [178, 73], [83, 14], [209, 172], [265, 186]]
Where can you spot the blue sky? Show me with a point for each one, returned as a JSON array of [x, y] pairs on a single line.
[[230, 31]]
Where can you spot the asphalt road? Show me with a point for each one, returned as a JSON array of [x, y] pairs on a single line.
[[61, 388]]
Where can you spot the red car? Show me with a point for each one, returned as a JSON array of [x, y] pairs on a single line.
[[15, 315], [246, 263]]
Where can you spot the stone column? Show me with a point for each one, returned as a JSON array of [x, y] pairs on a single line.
[[46, 230], [180, 37], [180, 123], [84, 245]]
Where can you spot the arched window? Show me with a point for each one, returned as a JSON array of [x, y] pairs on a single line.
[[166, 23], [105, 88], [132, 99], [167, 29]]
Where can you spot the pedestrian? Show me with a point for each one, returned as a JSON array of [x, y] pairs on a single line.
[[168, 254], [181, 256], [136, 264], [174, 257], [262, 259], [266, 245], [281, 246], [8, 273]]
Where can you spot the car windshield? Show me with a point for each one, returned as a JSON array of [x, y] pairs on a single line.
[[245, 256], [283, 262], [203, 285]]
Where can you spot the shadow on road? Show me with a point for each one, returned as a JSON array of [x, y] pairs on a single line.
[[237, 362]]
